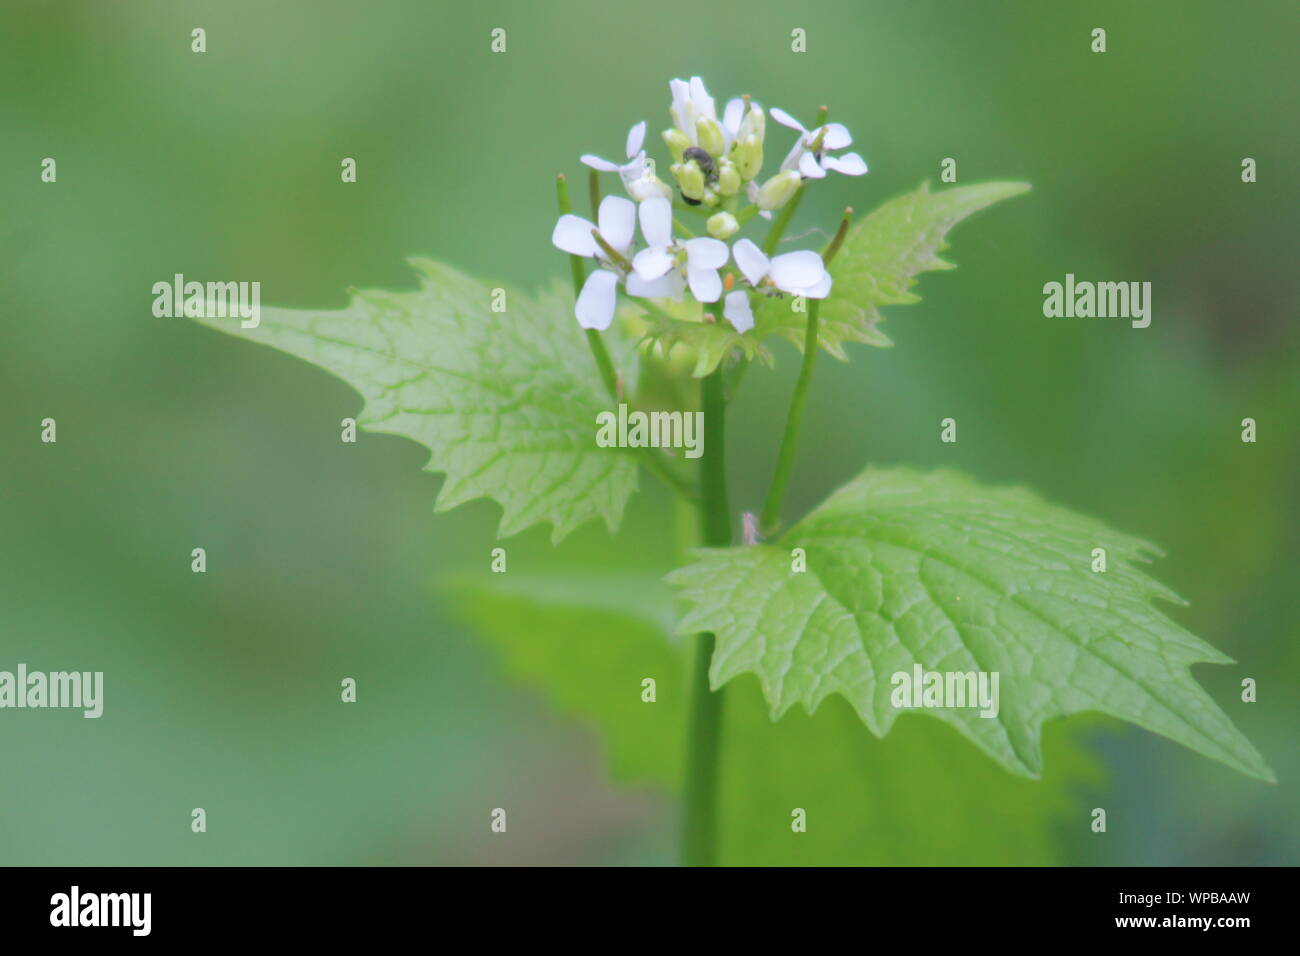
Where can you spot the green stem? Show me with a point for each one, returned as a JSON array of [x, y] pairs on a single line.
[[781, 222], [593, 192], [716, 513], [770, 519], [603, 362], [610, 252], [575, 262], [700, 831]]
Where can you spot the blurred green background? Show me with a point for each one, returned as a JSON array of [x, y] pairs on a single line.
[[325, 559]]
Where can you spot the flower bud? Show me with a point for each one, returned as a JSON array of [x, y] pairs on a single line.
[[776, 192], [647, 186], [754, 124], [728, 178], [747, 154], [722, 225], [691, 179], [677, 143], [710, 136]]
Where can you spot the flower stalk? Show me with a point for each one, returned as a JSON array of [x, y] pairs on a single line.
[[704, 734], [770, 519]]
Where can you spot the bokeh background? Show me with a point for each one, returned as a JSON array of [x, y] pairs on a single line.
[[326, 560]]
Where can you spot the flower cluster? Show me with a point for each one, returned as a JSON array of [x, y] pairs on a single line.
[[716, 167]]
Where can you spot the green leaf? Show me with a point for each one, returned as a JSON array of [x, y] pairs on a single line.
[[920, 797], [906, 568], [590, 638], [878, 263], [506, 401]]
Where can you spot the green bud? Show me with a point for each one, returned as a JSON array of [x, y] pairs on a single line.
[[710, 136], [776, 192], [722, 225], [711, 197], [747, 153], [677, 143], [690, 178], [754, 124], [728, 178]]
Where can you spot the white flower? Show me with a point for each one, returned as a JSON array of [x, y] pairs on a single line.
[[813, 165], [635, 137], [799, 273], [732, 114], [637, 173], [663, 256], [696, 117], [691, 103], [617, 216]]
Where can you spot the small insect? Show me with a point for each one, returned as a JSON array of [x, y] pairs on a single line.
[[704, 161]]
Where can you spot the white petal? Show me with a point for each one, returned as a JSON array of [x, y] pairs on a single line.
[[573, 234], [595, 162], [808, 168], [657, 221], [751, 260], [706, 253], [850, 164], [736, 310], [765, 213], [669, 286], [818, 290], [702, 100], [836, 136], [705, 284], [653, 262], [731, 117], [636, 136], [617, 218], [751, 191], [797, 270], [681, 91], [792, 158], [595, 306], [785, 119]]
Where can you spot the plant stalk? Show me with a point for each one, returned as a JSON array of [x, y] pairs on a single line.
[[774, 234], [770, 518], [700, 830]]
